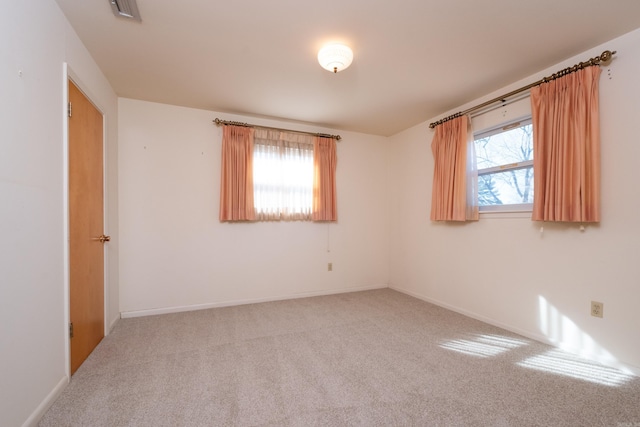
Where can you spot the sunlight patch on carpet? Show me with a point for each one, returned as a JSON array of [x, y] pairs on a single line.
[[483, 345], [560, 363]]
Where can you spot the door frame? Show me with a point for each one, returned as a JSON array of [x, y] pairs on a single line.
[[69, 74]]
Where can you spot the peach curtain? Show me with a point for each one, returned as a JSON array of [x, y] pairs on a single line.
[[236, 182], [454, 195], [566, 143], [324, 180]]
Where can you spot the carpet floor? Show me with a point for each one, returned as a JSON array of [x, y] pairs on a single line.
[[373, 358]]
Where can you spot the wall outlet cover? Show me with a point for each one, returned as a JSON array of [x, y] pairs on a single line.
[[597, 309]]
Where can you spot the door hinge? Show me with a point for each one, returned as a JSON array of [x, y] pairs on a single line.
[[69, 109], [70, 330]]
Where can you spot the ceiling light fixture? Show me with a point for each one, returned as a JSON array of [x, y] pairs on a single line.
[[335, 57]]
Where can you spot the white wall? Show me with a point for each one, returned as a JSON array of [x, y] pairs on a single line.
[[503, 270], [176, 255], [36, 40]]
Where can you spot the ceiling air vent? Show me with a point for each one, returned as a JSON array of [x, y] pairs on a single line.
[[125, 9]]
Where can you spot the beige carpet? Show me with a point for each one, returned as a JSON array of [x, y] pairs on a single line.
[[374, 358]]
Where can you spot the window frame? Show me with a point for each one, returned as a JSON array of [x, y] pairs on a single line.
[[495, 130]]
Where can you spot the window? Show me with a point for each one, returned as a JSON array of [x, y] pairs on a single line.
[[504, 158], [282, 176], [272, 175]]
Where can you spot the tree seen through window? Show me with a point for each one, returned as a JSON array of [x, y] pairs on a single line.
[[505, 165]]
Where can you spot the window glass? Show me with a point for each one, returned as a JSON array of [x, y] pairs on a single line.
[[505, 167]]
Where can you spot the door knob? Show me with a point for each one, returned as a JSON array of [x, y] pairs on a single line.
[[104, 238]]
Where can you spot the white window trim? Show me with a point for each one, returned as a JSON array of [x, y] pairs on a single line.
[[514, 208], [505, 214]]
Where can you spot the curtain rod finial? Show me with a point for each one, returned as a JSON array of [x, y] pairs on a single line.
[[607, 55]]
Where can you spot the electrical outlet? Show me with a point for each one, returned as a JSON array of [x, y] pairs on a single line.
[[330, 266], [597, 308]]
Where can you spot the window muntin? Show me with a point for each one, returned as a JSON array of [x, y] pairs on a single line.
[[504, 159]]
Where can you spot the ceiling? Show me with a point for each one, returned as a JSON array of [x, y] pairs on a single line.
[[413, 59]]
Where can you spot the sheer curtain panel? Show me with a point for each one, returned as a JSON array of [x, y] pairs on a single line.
[[566, 137], [236, 181], [283, 175], [325, 200], [454, 195]]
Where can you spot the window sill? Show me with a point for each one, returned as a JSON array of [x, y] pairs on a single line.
[[505, 214]]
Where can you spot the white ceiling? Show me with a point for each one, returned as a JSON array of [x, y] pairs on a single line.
[[413, 59]]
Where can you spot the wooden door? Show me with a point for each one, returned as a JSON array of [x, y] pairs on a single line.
[[86, 227]]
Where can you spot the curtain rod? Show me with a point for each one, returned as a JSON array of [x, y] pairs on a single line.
[[219, 122], [604, 58]]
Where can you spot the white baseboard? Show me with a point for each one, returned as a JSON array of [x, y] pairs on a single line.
[[532, 335], [178, 309], [35, 417]]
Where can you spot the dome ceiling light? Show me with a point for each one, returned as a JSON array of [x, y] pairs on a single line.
[[335, 57]]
